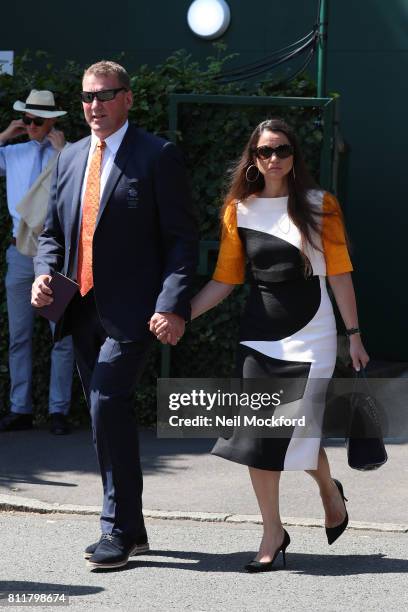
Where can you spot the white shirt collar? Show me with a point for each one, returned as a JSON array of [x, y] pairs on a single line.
[[113, 141]]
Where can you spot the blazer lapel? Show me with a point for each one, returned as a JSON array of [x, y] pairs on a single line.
[[118, 168], [80, 165], [79, 169]]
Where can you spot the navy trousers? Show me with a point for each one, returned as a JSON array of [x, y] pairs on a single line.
[[110, 371]]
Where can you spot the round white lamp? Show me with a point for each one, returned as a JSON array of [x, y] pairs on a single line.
[[209, 18]]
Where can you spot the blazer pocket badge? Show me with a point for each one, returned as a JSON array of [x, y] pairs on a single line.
[[133, 194]]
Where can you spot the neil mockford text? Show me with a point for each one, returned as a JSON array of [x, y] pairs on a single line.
[[218, 400], [236, 421]]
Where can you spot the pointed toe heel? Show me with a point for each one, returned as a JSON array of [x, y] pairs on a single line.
[[266, 566], [333, 533]]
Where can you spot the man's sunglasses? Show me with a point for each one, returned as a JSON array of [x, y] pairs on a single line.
[[38, 121], [104, 95], [282, 151]]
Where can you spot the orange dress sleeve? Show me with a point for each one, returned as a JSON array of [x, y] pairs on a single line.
[[230, 266], [333, 238]]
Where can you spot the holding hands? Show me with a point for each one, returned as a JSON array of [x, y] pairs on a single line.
[[167, 327]]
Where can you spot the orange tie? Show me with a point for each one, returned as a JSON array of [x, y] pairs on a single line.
[[89, 213]]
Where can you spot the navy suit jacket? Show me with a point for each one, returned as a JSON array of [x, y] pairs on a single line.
[[145, 245]]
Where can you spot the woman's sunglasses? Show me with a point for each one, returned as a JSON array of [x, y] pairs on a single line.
[[104, 95], [282, 151], [38, 121]]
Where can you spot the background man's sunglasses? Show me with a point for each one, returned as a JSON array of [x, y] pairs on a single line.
[[104, 95], [38, 121], [281, 151]]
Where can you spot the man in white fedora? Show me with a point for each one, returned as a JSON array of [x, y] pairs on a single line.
[[24, 165]]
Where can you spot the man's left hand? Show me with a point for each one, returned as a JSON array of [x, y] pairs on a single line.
[[167, 327], [57, 139]]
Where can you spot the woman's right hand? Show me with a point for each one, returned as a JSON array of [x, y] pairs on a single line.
[[209, 296], [167, 327]]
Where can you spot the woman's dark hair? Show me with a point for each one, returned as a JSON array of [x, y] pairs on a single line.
[[299, 207]]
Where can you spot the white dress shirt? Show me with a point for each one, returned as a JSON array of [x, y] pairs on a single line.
[[113, 143]]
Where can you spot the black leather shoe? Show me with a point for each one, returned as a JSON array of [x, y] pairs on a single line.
[[112, 552], [16, 422], [267, 566], [141, 546], [59, 424], [333, 533]]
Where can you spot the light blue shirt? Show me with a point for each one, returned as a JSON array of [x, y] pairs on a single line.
[[16, 163]]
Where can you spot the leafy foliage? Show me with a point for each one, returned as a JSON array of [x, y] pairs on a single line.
[[211, 136]]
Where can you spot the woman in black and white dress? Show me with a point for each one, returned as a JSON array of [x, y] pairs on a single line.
[[291, 236]]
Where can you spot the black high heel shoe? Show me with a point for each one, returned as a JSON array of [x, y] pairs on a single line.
[[333, 533], [266, 566]]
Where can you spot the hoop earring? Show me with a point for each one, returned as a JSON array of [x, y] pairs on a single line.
[[293, 172], [257, 175]]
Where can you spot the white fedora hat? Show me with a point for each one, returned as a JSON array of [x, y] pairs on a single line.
[[40, 104]]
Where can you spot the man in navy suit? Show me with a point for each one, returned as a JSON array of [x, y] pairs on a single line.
[[120, 223]]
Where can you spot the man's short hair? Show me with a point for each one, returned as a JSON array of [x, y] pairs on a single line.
[[108, 68]]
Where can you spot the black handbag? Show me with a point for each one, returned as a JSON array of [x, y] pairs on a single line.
[[365, 444]]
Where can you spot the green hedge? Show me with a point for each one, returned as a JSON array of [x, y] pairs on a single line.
[[211, 137]]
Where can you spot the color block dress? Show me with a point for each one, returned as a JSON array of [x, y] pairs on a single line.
[[288, 327]]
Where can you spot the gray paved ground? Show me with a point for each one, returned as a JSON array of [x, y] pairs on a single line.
[[197, 567], [182, 475]]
